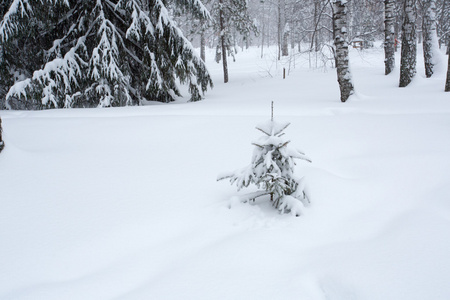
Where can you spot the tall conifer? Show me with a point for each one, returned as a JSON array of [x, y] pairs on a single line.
[[103, 53]]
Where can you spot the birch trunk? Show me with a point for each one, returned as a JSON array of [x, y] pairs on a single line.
[[447, 82], [202, 42], [389, 36], [222, 42], [315, 38], [284, 34], [341, 44], [444, 24], [282, 40], [429, 35], [262, 38], [409, 46]]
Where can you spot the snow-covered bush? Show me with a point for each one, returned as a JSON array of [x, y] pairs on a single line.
[[272, 170]]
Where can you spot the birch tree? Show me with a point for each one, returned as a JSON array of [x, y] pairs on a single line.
[[341, 44], [389, 36], [282, 29], [409, 46], [430, 42], [447, 82], [444, 22]]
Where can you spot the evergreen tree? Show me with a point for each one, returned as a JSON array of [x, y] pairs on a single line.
[[389, 36], [341, 44], [193, 26], [272, 170], [409, 46], [103, 53]]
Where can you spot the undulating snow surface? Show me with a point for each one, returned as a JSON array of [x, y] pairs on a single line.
[[123, 203]]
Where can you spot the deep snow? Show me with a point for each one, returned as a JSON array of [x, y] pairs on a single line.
[[123, 203]]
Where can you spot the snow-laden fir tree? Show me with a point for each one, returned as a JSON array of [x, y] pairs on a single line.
[[272, 170], [98, 53], [409, 45]]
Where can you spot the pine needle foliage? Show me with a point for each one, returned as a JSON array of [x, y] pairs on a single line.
[[272, 170], [98, 53]]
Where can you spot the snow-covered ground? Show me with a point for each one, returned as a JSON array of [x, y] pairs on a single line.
[[123, 203]]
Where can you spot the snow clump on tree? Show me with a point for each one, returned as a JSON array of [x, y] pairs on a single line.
[[272, 170]]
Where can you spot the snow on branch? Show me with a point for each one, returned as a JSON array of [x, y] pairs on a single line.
[[196, 6], [272, 170], [139, 19], [58, 77], [9, 26], [104, 63], [127, 54], [19, 9]]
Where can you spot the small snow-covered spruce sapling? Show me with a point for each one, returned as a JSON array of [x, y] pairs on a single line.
[[272, 170], [2, 143]]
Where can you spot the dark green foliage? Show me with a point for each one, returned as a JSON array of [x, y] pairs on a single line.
[[99, 53]]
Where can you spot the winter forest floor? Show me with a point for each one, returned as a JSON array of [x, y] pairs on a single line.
[[123, 203]]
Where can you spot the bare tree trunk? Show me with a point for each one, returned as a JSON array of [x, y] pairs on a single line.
[[282, 35], [447, 82], [397, 29], [279, 33], [315, 38], [285, 48], [202, 43], [445, 23], [389, 36], [409, 47], [341, 44], [2, 144], [262, 38], [222, 42], [429, 35]]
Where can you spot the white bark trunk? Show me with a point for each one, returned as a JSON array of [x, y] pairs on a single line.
[[429, 35], [409, 46], [341, 44], [389, 36]]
